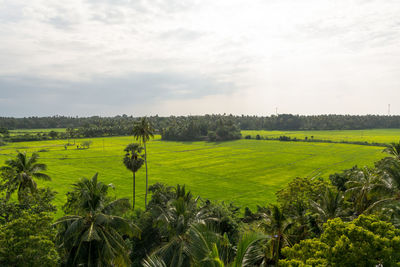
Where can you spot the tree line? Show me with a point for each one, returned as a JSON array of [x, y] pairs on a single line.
[[352, 219], [273, 122]]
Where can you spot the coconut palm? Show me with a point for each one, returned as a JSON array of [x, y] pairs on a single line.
[[206, 248], [394, 150], [175, 219], [362, 183], [133, 160], [329, 205], [389, 171], [23, 170], [95, 236], [277, 225], [143, 131]]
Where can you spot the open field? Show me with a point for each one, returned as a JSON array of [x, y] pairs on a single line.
[[35, 131], [247, 172], [373, 135]]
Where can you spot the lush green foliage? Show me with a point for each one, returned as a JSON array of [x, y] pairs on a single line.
[[201, 128], [274, 122], [28, 241], [93, 236], [366, 241], [313, 223], [20, 173]]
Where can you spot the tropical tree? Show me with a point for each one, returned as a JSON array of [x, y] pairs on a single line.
[[207, 248], [22, 170], [28, 240], [95, 236], [329, 205], [361, 187], [276, 224], [389, 189], [365, 241], [394, 150], [133, 160], [143, 131], [175, 219]]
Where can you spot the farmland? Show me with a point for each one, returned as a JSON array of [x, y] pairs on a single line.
[[370, 136], [246, 172]]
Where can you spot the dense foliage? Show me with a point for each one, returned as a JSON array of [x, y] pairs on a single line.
[[200, 128], [351, 220], [123, 125]]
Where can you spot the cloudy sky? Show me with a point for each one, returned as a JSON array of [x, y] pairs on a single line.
[[170, 57]]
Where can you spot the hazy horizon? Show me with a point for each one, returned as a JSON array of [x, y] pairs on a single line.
[[113, 57]]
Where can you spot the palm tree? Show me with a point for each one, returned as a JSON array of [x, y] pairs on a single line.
[[143, 131], [277, 226], [205, 248], [133, 160], [389, 171], [23, 169], [329, 205], [175, 219], [362, 183], [95, 236], [394, 150]]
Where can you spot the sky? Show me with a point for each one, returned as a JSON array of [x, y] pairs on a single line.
[[170, 57]]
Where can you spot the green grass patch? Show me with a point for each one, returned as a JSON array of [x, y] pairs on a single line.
[[246, 172], [370, 136]]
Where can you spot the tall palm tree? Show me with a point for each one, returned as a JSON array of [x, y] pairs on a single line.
[[133, 161], [143, 131], [95, 236], [23, 170]]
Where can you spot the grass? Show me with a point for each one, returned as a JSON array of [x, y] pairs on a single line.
[[373, 135], [35, 131], [246, 172]]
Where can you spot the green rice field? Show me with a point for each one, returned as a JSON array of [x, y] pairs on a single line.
[[374, 135], [245, 172]]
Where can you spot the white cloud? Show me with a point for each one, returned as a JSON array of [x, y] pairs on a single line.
[[313, 56]]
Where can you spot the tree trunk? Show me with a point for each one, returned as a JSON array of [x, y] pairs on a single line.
[[134, 191], [147, 180]]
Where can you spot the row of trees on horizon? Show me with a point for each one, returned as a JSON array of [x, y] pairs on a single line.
[[273, 122]]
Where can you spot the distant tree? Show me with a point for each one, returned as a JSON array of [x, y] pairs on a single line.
[[21, 172], [69, 133], [86, 144], [53, 134], [133, 161], [143, 131]]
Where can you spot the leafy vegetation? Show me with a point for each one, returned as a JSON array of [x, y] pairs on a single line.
[[112, 125], [350, 219], [199, 128], [314, 222]]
